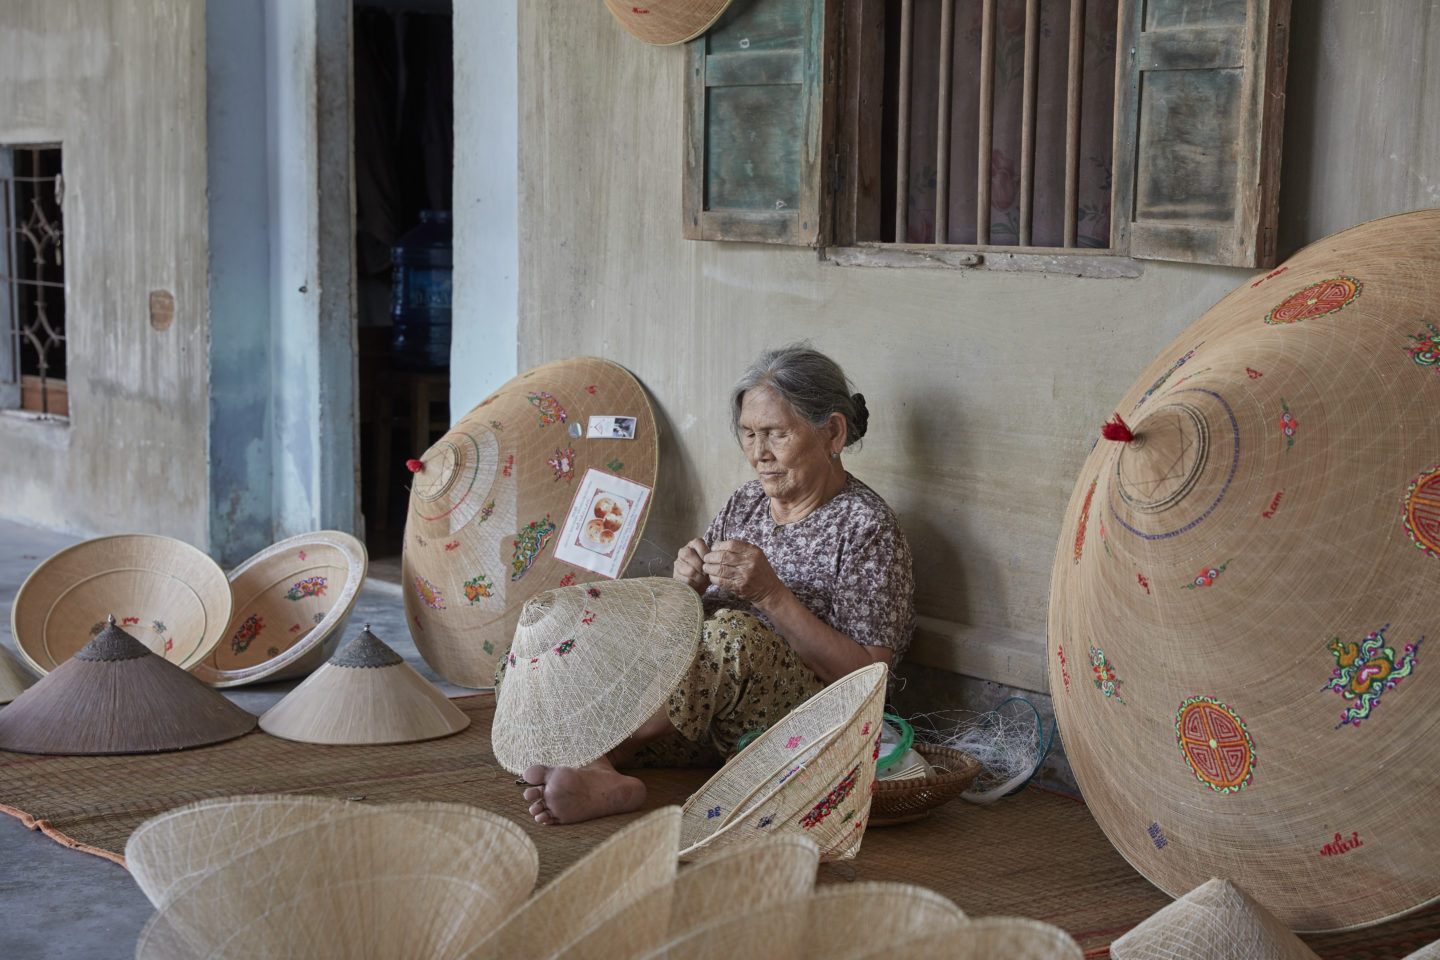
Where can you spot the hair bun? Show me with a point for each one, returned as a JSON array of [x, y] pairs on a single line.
[[862, 414]]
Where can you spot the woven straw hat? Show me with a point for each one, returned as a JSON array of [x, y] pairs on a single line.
[[738, 881], [811, 775], [172, 850], [1243, 590], [989, 938], [664, 22], [490, 501], [368, 882], [590, 664], [291, 603], [629, 864], [1431, 951], [1215, 921], [115, 696], [174, 597], [13, 676], [366, 693], [839, 921]]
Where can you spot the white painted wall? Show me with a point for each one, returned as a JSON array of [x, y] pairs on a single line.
[[485, 295], [121, 86]]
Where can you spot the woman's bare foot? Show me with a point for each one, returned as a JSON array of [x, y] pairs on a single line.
[[572, 794]]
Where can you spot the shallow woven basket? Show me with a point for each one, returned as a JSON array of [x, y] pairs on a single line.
[[291, 603], [900, 801], [169, 595], [810, 775]]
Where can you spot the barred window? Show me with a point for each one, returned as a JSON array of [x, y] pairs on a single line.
[[32, 280]]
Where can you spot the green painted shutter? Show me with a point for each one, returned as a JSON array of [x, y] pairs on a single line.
[[754, 123], [1199, 115]]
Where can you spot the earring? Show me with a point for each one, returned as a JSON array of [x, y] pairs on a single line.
[[834, 456]]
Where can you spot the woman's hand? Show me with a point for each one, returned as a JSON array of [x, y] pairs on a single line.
[[741, 569], [689, 565]]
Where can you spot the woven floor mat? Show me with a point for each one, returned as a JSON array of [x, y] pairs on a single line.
[[995, 860]]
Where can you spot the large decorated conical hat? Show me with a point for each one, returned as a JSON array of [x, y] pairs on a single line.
[[116, 696], [170, 595], [1243, 591], [589, 665], [366, 693], [291, 603], [545, 483]]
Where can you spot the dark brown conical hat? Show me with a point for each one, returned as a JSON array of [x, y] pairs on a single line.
[[115, 696], [366, 693]]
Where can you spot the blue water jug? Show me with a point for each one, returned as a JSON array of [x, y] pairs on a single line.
[[420, 294]]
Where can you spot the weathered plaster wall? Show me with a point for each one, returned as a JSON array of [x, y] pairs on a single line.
[[986, 389], [122, 87], [486, 189]]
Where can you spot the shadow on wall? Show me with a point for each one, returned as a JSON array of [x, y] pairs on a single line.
[[676, 486], [929, 433]]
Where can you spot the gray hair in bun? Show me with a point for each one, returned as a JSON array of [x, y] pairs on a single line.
[[812, 383]]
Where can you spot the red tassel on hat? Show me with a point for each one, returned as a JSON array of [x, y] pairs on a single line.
[[415, 466], [1117, 430]]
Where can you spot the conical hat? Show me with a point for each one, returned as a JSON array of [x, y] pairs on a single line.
[[738, 881], [665, 22], [366, 693], [987, 938], [490, 502], [1215, 921], [409, 880], [1243, 590], [590, 664], [811, 775], [13, 676], [291, 603], [1431, 951], [171, 850], [173, 596], [629, 864], [115, 696]]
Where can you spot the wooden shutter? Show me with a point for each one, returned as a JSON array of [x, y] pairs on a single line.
[[1199, 112], [754, 124]]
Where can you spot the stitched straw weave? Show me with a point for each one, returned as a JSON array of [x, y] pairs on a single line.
[[416, 880], [115, 696], [810, 774], [631, 863], [174, 598], [1215, 921], [14, 678], [1428, 952], [366, 693], [490, 500], [665, 22], [738, 881], [1242, 601], [291, 603], [987, 938], [590, 664]]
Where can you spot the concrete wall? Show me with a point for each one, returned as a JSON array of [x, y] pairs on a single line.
[[986, 388], [121, 86]]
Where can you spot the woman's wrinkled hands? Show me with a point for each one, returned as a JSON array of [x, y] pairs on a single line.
[[741, 569], [690, 565]]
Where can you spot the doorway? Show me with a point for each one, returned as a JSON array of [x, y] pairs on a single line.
[[404, 150]]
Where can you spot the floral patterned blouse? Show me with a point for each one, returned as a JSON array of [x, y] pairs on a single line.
[[847, 562]]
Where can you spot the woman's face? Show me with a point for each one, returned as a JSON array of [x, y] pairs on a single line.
[[789, 456]]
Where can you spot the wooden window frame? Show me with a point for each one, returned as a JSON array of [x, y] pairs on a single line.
[[841, 176]]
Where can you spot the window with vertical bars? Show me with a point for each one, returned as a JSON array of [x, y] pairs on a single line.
[[999, 122], [32, 280]]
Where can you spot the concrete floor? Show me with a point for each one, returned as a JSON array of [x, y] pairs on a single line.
[[59, 903]]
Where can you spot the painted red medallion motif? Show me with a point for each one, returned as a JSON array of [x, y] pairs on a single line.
[[1316, 300], [1215, 743], [1422, 511]]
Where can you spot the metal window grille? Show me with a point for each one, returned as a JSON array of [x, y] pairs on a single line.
[[32, 285], [972, 73]]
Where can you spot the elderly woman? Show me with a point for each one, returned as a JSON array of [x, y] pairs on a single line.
[[805, 577]]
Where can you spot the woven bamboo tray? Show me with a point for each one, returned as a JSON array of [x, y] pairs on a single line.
[[900, 801]]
